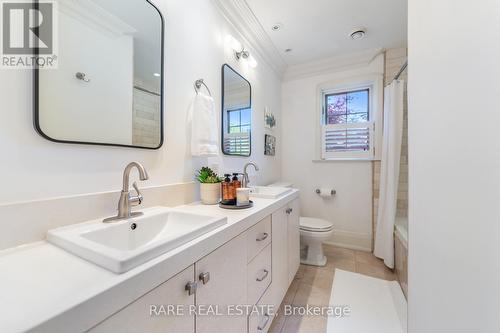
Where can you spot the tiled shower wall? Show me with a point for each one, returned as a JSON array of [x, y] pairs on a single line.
[[394, 59], [146, 117]]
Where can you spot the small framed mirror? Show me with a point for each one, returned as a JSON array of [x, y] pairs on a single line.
[[236, 113], [107, 88]]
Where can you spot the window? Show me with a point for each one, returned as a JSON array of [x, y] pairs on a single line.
[[347, 123], [237, 140], [347, 107], [239, 121]]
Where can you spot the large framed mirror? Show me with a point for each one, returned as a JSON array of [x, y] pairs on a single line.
[[108, 86], [236, 113]]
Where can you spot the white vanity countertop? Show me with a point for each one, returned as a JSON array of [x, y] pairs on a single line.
[[46, 289]]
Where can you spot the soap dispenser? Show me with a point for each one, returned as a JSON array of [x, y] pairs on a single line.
[[227, 190], [236, 184]]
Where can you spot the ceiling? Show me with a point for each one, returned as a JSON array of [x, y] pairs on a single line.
[[318, 29]]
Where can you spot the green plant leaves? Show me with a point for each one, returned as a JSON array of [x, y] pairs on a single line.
[[207, 176]]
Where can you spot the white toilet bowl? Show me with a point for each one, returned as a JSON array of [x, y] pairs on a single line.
[[313, 232]]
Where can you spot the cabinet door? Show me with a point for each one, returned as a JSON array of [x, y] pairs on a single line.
[[293, 239], [140, 317], [279, 255], [225, 272]]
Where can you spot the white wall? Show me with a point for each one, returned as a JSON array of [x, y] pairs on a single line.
[[454, 163], [351, 209], [34, 168]]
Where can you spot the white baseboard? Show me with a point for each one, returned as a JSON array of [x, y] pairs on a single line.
[[351, 240]]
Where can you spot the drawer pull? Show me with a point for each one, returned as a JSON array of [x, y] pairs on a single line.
[[263, 237], [263, 277], [191, 288], [204, 277], [289, 211], [263, 325]]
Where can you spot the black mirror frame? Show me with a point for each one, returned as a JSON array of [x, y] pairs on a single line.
[[222, 112], [36, 110]]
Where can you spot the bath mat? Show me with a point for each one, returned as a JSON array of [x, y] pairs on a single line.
[[376, 306]]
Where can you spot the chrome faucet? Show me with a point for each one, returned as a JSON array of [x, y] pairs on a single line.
[[246, 179], [126, 199]]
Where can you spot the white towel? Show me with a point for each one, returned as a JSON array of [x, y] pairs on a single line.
[[204, 134]]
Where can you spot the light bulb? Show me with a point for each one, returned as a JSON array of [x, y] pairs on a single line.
[[233, 43], [252, 62]]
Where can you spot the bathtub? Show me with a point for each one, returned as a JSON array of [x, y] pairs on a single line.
[[401, 231], [401, 252]]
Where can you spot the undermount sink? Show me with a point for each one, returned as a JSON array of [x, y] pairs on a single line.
[[268, 192], [123, 245]]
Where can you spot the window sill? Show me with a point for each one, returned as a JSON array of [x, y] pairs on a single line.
[[333, 160]]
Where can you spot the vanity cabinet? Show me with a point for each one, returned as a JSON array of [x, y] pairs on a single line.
[[222, 281], [261, 322], [293, 223], [286, 248], [259, 269], [147, 314], [254, 268], [279, 255], [258, 237], [259, 275], [217, 280]]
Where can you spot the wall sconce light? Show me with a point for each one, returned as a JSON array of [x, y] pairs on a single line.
[[240, 52]]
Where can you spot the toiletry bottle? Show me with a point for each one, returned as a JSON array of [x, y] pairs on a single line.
[[236, 183], [227, 189]]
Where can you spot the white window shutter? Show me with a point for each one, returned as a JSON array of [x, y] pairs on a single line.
[[347, 141], [237, 143]]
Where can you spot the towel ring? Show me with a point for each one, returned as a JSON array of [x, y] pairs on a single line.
[[197, 86]]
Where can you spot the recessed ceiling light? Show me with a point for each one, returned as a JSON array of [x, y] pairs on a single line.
[[277, 27], [157, 74], [357, 34]]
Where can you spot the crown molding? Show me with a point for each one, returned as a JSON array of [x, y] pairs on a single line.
[[96, 17], [239, 14], [332, 64]]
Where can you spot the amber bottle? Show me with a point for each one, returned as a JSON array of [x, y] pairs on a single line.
[[227, 190], [236, 184]]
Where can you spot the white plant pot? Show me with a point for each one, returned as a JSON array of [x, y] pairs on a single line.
[[210, 193]]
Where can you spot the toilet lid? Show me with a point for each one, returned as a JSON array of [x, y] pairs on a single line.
[[313, 224]]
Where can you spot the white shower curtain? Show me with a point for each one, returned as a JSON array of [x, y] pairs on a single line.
[[389, 172]]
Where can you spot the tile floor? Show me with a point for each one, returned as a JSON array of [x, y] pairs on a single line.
[[313, 285]]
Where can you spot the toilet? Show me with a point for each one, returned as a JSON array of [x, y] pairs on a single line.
[[313, 232]]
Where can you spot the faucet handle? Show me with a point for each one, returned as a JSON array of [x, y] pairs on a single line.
[[136, 200]]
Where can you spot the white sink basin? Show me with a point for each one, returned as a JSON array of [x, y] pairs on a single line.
[[268, 192], [120, 247]]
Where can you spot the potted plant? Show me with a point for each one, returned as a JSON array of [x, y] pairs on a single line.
[[210, 186]]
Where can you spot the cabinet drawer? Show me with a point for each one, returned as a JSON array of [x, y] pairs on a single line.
[[261, 322], [258, 237], [259, 275]]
